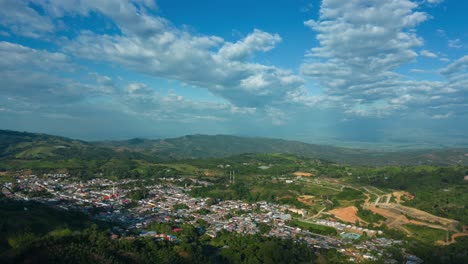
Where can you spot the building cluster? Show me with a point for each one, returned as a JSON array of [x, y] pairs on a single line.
[[347, 227], [166, 202]]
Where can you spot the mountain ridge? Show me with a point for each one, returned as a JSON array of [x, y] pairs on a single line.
[[26, 145]]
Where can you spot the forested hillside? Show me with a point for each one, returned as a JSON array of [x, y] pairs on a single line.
[[27, 146]]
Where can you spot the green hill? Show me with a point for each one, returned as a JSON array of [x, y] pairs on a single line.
[[204, 146], [16, 145], [31, 146]]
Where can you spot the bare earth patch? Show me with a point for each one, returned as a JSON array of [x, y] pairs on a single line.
[[306, 199], [347, 214], [396, 217], [303, 174], [287, 196], [210, 173], [400, 194]]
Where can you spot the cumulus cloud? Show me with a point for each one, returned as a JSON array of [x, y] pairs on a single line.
[[141, 100], [362, 44], [152, 45], [456, 67], [16, 56], [457, 85], [428, 54], [256, 41], [32, 82], [30, 75], [31, 79], [23, 20], [356, 65]]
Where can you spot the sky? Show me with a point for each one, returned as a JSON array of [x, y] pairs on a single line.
[[330, 71]]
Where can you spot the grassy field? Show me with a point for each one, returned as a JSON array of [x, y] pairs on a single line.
[[426, 234]]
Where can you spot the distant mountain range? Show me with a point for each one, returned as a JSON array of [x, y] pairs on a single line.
[[24, 145]]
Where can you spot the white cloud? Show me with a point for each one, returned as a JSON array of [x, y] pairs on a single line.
[[138, 88], [141, 100], [15, 56], [23, 20], [455, 43], [362, 44], [442, 116], [35, 78], [150, 44], [32, 82], [428, 54], [418, 70], [256, 41], [456, 67], [204, 61], [434, 1], [444, 59]]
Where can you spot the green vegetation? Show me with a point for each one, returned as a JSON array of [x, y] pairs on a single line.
[[258, 249], [45, 235], [264, 228], [367, 215], [427, 234], [34, 233], [180, 206], [454, 253], [438, 190], [314, 228], [203, 211], [349, 194], [141, 193], [27, 146]]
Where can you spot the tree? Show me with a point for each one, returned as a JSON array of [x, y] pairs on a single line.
[[264, 228]]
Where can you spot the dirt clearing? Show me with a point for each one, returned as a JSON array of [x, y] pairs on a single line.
[[306, 199], [396, 217], [347, 214], [210, 173], [398, 195], [303, 174]]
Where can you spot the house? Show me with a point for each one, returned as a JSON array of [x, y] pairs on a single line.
[[171, 238]]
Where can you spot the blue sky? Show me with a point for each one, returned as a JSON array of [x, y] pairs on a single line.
[[331, 71]]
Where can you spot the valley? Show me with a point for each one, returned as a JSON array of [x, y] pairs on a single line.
[[361, 212]]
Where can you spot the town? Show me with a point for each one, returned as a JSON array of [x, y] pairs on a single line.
[[167, 201]]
